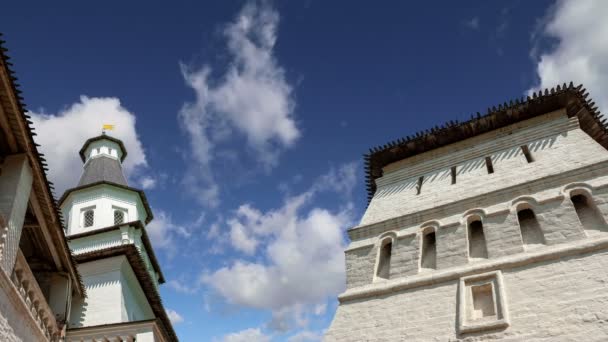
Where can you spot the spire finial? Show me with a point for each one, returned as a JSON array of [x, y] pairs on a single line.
[[106, 127]]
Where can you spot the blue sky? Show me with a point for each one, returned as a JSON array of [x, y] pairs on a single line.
[[246, 123]]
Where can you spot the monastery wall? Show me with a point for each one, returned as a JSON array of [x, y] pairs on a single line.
[[547, 301], [516, 254]]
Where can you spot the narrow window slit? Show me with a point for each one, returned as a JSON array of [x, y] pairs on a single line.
[[384, 264], [453, 172], [588, 214], [527, 154], [429, 251], [419, 185], [531, 233], [489, 165], [477, 240]]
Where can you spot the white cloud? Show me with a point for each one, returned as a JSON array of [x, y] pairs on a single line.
[[306, 336], [174, 317], [147, 182], [61, 135], [180, 287], [163, 231], [248, 335], [341, 180], [581, 54], [252, 98], [299, 239]]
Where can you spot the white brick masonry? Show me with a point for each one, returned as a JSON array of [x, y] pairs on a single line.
[[554, 290]]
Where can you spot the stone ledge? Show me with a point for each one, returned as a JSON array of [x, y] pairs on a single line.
[[506, 262]]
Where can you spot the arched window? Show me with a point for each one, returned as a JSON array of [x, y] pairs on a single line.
[[89, 218], [119, 216], [531, 233], [477, 240], [384, 262], [587, 213], [429, 250]]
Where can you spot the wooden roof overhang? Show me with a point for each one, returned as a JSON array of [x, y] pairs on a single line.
[[16, 125], [145, 239], [143, 276], [575, 100]]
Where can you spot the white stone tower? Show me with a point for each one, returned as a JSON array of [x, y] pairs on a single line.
[[490, 229], [106, 221]]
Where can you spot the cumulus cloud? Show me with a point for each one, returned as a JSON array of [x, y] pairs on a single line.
[[247, 335], [580, 54], [296, 236], [251, 98], [174, 317], [62, 134], [163, 231]]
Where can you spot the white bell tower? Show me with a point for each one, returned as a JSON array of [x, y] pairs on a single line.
[[105, 222]]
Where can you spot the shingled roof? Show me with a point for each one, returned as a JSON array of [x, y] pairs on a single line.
[[574, 99], [102, 168]]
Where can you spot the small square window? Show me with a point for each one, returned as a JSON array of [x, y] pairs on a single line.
[[481, 303], [89, 218]]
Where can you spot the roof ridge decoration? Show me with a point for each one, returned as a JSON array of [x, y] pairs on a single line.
[[572, 98]]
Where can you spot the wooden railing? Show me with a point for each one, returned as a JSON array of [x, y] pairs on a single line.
[[34, 299]]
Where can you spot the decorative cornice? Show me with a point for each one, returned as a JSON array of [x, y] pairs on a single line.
[[103, 137], [144, 237], [573, 99]]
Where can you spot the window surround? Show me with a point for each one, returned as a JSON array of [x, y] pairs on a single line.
[[424, 231], [469, 217], [124, 212], [499, 319], [383, 240], [83, 213]]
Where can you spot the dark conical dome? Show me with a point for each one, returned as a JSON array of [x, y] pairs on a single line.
[[102, 169]]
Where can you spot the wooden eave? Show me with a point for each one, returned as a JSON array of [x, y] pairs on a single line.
[[573, 99], [20, 138], [145, 239], [143, 276]]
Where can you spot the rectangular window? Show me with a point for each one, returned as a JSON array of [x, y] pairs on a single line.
[[527, 153], [489, 165], [481, 303], [453, 172]]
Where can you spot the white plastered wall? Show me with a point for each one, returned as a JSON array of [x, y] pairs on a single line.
[[103, 199], [549, 298], [113, 294]]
